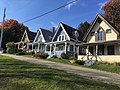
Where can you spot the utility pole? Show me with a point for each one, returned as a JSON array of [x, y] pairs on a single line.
[[2, 29]]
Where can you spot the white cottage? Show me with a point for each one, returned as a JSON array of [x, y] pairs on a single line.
[[64, 40]]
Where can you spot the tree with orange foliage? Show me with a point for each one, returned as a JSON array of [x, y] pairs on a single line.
[[112, 12], [13, 31]]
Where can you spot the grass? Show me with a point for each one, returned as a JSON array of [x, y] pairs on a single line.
[[59, 60], [107, 67], [99, 66], [19, 75]]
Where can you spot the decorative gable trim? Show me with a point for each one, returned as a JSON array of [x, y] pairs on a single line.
[[93, 23], [60, 25], [65, 32], [25, 33], [39, 31]]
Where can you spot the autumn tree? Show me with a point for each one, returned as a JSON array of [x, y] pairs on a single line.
[[112, 12], [83, 27], [13, 31]]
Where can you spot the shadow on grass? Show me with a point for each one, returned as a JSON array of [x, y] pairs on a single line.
[[25, 76]]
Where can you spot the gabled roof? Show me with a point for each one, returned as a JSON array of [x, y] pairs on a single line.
[[47, 34], [94, 22], [31, 35], [70, 31]]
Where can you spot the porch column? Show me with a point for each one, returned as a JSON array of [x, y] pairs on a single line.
[[18, 46], [38, 46], [27, 47], [45, 48], [78, 48], [65, 47], [54, 49], [96, 50], [87, 52], [74, 48], [50, 48], [32, 46]]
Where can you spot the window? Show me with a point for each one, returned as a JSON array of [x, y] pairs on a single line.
[[108, 31], [100, 35], [62, 37], [59, 38], [92, 33]]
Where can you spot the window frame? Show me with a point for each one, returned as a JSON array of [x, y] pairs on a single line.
[[100, 35], [108, 31]]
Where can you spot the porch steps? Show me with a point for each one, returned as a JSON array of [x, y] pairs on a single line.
[[89, 62], [50, 56]]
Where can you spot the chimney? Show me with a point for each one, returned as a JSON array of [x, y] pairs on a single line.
[[53, 29]]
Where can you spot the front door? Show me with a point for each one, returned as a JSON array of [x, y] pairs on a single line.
[[111, 50]]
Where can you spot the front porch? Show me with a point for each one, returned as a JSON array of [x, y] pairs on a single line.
[[107, 52], [36, 47], [56, 48]]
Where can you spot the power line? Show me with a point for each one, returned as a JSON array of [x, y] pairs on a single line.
[[49, 11]]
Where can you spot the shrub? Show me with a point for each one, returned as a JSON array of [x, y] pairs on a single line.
[[11, 50], [80, 62], [64, 56], [29, 53], [10, 45], [41, 55], [19, 50]]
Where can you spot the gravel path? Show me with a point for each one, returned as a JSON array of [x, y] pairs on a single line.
[[103, 76]]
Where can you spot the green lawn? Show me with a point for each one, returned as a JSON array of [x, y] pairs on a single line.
[[109, 68], [18, 75]]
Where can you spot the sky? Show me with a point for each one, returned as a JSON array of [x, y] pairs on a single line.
[[72, 15]]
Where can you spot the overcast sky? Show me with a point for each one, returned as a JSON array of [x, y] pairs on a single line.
[[73, 14]]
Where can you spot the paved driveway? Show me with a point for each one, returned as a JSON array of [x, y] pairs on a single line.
[[106, 77]]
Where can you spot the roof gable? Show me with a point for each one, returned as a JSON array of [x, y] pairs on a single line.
[[60, 28], [99, 16], [25, 35], [38, 37], [71, 32], [44, 34], [31, 35], [47, 34]]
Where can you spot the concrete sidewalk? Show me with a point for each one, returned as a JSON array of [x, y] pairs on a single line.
[[103, 76]]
